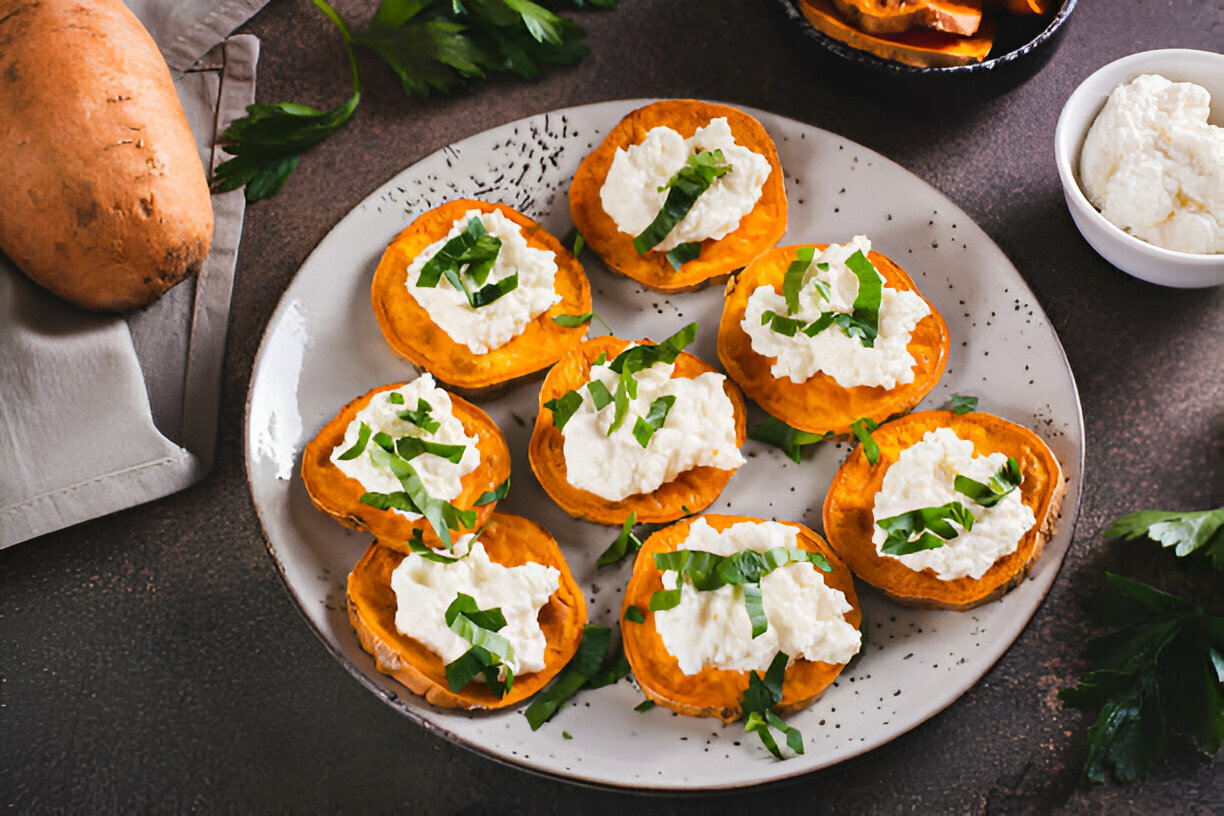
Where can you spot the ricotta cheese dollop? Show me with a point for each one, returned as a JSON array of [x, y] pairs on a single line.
[[887, 363], [1154, 167], [440, 476], [923, 476], [491, 326], [712, 628], [631, 195], [424, 589], [699, 431]]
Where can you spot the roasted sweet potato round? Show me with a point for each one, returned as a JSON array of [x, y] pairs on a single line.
[[508, 540], [408, 329], [758, 230], [819, 404], [849, 504], [690, 492], [339, 496], [716, 692]]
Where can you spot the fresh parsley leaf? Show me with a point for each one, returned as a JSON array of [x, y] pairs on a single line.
[[791, 440], [395, 398], [1157, 672], [570, 321], [410, 447], [563, 407], [644, 356], [793, 281], [867, 302], [417, 545], [645, 705], [961, 404], [267, 142], [683, 253], [441, 515], [683, 188], [862, 428], [634, 615], [579, 243], [988, 495], [785, 326], [646, 426], [908, 532], [363, 438], [625, 544], [592, 666], [1185, 532], [600, 396], [490, 496], [421, 416], [491, 654], [764, 692]]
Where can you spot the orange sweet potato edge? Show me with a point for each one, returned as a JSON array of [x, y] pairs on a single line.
[[819, 404], [716, 692], [509, 540], [339, 496], [408, 329], [849, 503], [690, 492], [758, 230]]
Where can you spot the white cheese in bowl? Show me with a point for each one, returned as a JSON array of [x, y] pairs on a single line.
[[485, 328], [1154, 167], [631, 193]]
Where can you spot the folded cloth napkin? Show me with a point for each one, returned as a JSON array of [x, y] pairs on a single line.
[[99, 413]]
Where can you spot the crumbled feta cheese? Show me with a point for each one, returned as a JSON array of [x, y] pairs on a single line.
[[1154, 167], [495, 324], [806, 616], [630, 193], [843, 358], [424, 589], [440, 477], [923, 476]]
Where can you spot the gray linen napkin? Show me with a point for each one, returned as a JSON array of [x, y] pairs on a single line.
[[100, 413]]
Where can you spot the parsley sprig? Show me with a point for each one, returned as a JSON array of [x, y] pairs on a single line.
[[431, 45], [1185, 532]]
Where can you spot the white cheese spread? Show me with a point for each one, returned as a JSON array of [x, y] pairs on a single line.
[[424, 589], [711, 628], [699, 431], [1154, 167], [631, 196], [440, 476], [493, 325], [887, 363], [923, 476]]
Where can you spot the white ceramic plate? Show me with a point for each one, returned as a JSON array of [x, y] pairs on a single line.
[[323, 348]]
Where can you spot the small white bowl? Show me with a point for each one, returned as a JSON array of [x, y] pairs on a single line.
[[1130, 254]]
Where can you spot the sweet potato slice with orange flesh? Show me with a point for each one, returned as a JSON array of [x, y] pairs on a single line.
[[690, 492], [339, 496], [819, 404], [508, 540], [895, 16], [918, 47], [758, 230], [408, 329], [714, 692], [850, 501]]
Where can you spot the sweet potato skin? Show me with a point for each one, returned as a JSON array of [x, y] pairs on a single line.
[[105, 202], [509, 540], [819, 404], [716, 692], [850, 501]]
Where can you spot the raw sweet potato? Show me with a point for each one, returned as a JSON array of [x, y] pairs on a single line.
[[848, 520], [508, 540], [104, 200], [716, 692]]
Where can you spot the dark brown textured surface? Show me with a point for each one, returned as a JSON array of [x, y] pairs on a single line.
[[153, 661]]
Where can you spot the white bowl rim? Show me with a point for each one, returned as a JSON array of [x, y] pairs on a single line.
[[1098, 85]]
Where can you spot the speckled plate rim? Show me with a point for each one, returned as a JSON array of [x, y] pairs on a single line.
[[1030, 595], [846, 52]]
